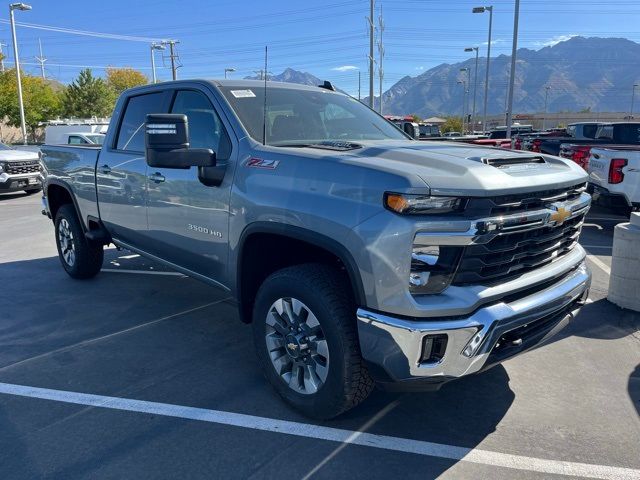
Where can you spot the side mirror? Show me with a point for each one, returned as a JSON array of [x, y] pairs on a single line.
[[166, 139]]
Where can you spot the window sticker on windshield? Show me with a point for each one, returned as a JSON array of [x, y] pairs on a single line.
[[243, 93]]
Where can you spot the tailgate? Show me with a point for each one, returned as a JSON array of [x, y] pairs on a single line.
[[599, 165]]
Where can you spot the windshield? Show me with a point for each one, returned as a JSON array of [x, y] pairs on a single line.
[[5, 147], [296, 116]]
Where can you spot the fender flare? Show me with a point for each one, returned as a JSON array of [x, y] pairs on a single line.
[[69, 190], [314, 238]]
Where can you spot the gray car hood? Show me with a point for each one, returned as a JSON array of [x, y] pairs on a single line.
[[452, 168], [17, 155]]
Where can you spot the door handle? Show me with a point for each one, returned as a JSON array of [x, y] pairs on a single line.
[[157, 178], [106, 169]]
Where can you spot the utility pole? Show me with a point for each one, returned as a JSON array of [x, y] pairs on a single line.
[[173, 56], [359, 85], [371, 34], [546, 98], [2, 57], [380, 55], [633, 98], [41, 60], [512, 78]]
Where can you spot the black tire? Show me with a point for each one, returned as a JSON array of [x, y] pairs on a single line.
[[31, 191], [325, 292], [87, 256]]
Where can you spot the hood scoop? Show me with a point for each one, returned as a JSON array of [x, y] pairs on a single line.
[[509, 162]]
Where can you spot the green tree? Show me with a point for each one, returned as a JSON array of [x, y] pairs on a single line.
[[416, 118], [41, 101], [453, 124], [88, 96], [120, 79]]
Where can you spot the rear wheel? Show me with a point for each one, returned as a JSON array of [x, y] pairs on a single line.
[[306, 340], [79, 257]]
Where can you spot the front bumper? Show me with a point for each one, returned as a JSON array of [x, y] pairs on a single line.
[[14, 183], [392, 346]]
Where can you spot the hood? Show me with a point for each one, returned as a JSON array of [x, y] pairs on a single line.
[[463, 169], [17, 155]]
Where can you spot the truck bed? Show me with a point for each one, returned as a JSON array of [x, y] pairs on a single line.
[[75, 166]]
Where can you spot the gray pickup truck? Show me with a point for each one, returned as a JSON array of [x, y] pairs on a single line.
[[359, 255]]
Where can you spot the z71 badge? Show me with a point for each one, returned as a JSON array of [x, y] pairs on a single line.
[[260, 163]]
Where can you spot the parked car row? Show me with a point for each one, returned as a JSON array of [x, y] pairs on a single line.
[[609, 152]]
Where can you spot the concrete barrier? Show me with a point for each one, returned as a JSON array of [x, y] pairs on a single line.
[[624, 284]]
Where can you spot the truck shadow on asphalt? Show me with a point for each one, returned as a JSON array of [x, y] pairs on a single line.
[[48, 341]]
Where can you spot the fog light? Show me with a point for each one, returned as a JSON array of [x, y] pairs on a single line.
[[433, 348]]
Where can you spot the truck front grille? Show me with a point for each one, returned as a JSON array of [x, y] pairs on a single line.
[[511, 254], [17, 168]]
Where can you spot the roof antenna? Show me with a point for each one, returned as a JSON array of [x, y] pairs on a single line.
[[264, 109]]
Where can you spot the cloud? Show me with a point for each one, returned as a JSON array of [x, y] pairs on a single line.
[[496, 41], [420, 68], [345, 68], [554, 41]]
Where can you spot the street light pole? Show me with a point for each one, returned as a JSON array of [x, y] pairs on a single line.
[[230, 70], [633, 97], [546, 98], [154, 47], [512, 78], [475, 87], [486, 82], [464, 101], [12, 7], [465, 104]]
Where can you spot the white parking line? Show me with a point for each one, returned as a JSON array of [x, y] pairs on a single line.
[[397, 444], [143, 272], [600, 264]]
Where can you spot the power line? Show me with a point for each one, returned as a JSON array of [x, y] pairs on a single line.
[[87, 33]]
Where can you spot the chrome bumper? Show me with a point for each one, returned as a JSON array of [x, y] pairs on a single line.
[[393, 346]]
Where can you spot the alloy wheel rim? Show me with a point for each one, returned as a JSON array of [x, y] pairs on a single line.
[[297, 346], [67, 247]]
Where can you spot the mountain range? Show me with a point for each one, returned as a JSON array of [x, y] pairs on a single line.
[[594, 73]]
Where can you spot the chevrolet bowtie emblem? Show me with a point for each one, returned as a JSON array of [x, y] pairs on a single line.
[[560, 215], [292, 346]]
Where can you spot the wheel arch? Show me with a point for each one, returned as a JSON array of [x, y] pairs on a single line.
[[59, 193], [300, 245]]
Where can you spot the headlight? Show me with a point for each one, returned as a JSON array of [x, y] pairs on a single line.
[[408, 204], [432, 268]]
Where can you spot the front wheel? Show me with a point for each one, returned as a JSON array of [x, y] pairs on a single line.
[[304, 331], [79, 257]]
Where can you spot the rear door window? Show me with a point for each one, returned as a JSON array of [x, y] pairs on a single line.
[[76, 140], [131, 133], [589, 131]]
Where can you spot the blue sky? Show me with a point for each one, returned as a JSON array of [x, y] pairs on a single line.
[[329, 40]]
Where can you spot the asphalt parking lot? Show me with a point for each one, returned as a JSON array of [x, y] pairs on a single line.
[[144, 373]]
